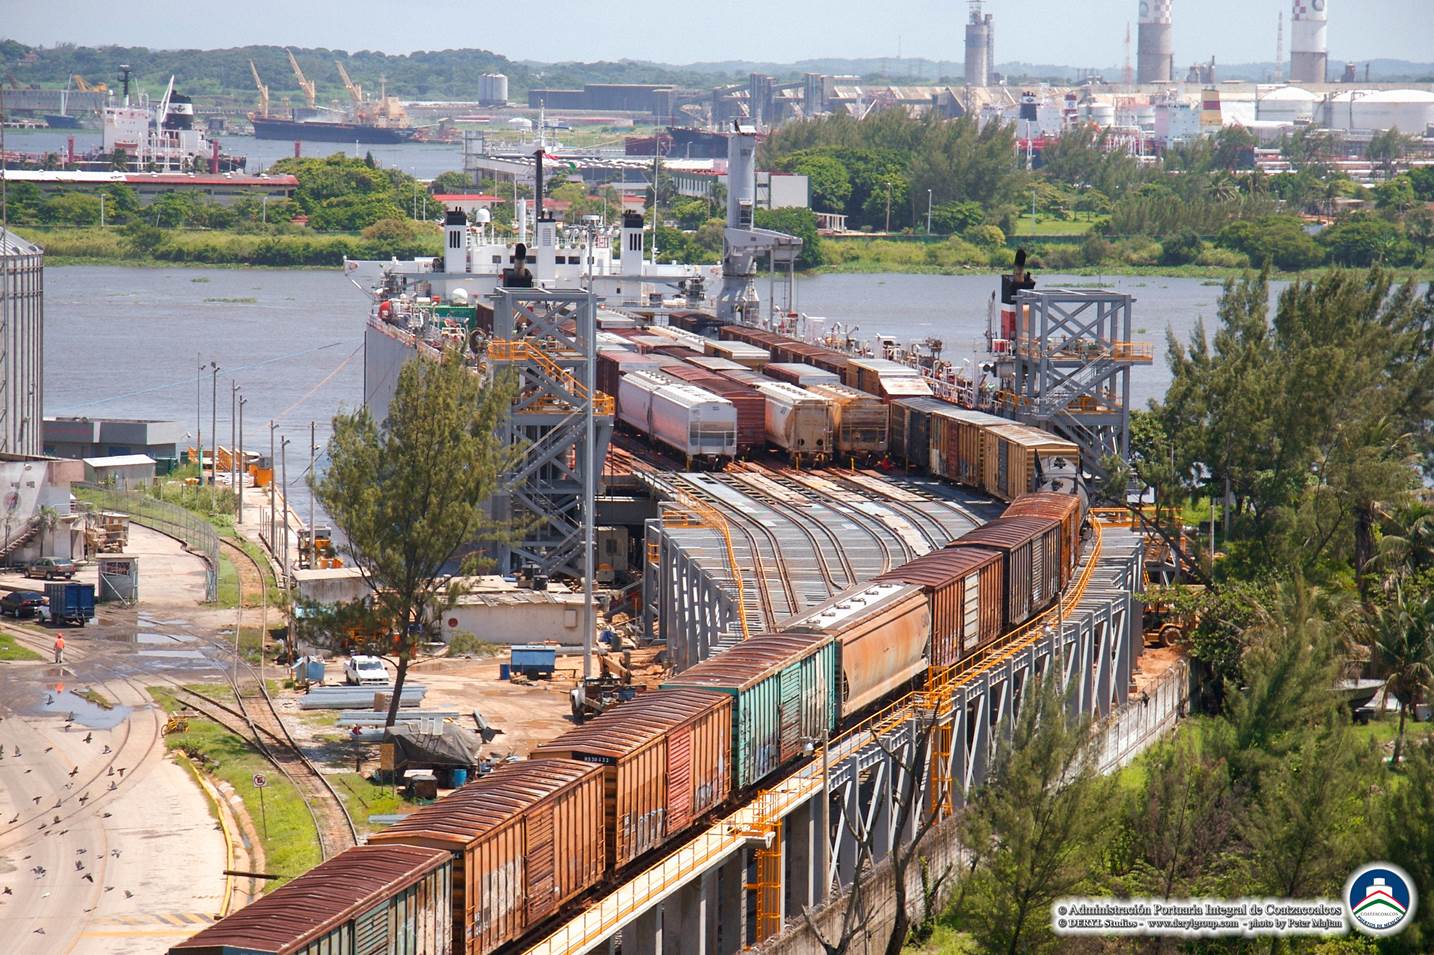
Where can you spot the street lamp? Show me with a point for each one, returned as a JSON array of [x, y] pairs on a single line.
[[213, 429], [928, 211], [239, 492]]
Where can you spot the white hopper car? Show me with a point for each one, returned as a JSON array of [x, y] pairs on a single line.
[[798, 422], [859, 421], [700, 426]]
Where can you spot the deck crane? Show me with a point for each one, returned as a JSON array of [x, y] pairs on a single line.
[[354, 89], [263, 91], [305, 83]]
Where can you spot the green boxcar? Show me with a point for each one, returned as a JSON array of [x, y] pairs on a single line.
[[785, 695]]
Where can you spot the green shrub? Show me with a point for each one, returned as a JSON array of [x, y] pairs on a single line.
[[1181, 249], [1223, 258]]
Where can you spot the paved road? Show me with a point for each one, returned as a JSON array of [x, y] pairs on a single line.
[[135, 861]]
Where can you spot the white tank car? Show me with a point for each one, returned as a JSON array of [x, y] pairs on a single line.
[[698, 425], [798, 422], [859, 421]]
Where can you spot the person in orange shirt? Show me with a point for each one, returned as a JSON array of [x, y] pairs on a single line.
[[60, 649]]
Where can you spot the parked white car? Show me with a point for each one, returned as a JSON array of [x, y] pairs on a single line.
[[361, 670]]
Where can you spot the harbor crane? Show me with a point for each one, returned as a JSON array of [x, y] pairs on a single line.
[[263, 91], [305, 83], [354, 89]]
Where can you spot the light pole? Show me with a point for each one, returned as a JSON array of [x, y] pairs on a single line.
[[233, 433], [213, 429], [928, 211], [199, 412], [888, 206], [273, 545], [102, 210], [264, 210], [284, 524], [239, 496]]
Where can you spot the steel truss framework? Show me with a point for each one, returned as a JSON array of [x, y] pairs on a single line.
[[800, 843], [548, 339], [1070, 368]]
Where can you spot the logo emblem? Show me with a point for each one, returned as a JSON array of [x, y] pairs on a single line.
[[1380, 899]]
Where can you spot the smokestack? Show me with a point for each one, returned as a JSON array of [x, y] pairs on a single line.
[[1309, 49], [538, 211], [978, 47], [1154, 43]]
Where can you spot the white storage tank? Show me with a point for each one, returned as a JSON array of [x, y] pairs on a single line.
[[798, 422], [1288, 104], [1409, 111]]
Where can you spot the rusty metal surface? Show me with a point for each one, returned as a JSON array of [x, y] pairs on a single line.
[[318, 901]]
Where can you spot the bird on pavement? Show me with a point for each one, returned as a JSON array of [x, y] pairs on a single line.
[[57, 820], [106, 751], [79, 866], [121, 772], [48, 748], [110, 771], [37, 800], [17, 752], [109, 888], [7, 891], [39, 931], [80, 852], [14, 820], [114, 853], [74, 772], [49, 699], [57, 804], [84, 799], [106, 815], [128, 894], [113, 787], [89, 737], [88, 877]]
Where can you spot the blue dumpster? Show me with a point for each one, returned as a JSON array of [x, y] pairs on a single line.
[[534, 660], [459, 776]]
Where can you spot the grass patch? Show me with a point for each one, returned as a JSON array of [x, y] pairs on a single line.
[[1053, 227], [291, 845], [10, 650], [226, 591], [94, 696], [233, 300], [363, 799], [466, 644], [1383, 731], [945, 940]]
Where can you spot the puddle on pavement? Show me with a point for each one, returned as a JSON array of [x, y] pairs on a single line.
[[87, 714]]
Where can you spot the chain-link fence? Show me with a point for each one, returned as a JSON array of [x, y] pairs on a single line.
[[193, 530]]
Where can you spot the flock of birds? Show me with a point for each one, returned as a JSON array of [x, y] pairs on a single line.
[[51, 826]]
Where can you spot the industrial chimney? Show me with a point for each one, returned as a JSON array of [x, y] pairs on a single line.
[[1309, 49], [1155, 44], [979, 44]]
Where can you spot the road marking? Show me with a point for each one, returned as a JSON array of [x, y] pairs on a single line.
[[169, 918]]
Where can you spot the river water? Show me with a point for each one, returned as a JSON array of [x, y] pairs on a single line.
[[127, 342]]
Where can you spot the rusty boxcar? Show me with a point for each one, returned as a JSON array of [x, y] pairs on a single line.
[[664, 758], [524, 839], [964, 587]]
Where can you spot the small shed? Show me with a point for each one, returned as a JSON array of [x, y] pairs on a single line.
[[120, 470]]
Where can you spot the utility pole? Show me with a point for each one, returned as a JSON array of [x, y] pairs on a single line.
[[199, 414], [313, 454], [273, 471], [888, 206], [239, 497], [928, 211], [233, 434], [213, 428], [284, 524]]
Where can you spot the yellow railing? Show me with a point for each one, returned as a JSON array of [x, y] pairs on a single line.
[[689, 511], [1140, 352], [519, 349]]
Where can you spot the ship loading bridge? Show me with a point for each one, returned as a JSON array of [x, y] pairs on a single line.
[[560, 422], [805, 840], [1064, 360]]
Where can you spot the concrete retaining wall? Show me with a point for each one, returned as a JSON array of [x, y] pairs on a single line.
[[1126, 733]]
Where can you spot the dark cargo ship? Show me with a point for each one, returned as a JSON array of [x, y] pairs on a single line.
[[316, 131]]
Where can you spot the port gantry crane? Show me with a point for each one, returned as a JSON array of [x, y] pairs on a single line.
[[305, 84], [263, 91], [354, 89]]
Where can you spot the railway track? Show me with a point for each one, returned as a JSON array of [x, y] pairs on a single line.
[[256, 709], [800, 520]]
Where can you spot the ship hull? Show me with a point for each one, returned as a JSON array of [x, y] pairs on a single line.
[[62, 122], [288, 129]]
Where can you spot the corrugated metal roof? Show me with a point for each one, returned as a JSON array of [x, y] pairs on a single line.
[[12, 244], [940, 567], [630, 726], [319, 900], [1005, 532], [488, 802], [750, 661]]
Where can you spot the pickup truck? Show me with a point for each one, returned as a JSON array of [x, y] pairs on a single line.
[[50, 568]]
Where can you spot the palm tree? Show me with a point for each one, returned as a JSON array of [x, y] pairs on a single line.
[[1403, 645], [48, 519], [1406, 544]]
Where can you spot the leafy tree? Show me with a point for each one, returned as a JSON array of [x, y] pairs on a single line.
[[1422, 179], [1028, 826], [72, 208], [408, 493], [1402, 641], [1407, 824], [1181, 249], [1235, 148], [1363, 241], [1387, 147], [951, 218], [1419, 226], [451, 183], [800, 223], [1395, 196], [1279, 240], [826, 178]]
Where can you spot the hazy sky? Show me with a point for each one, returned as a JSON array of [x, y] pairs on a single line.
[[1067, 32]]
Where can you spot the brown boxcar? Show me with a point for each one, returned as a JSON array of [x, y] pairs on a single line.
[[1009, 456], [859, 421], [747, 354], [666, 761], [957, 443], [751, 407], [964, 587], [525, 839], [1030, 548], [882, 630], [365, 899], [800, 373], [865, 374], [1065, 509], [714, 363]]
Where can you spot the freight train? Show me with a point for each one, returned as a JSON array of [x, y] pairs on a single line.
[[512, 849], [815, 405]]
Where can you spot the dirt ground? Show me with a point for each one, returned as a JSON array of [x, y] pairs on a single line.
[[527, 714], [169, 576], [1152, 666]]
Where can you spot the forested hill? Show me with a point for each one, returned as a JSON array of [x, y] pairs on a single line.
[[437, 74]]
